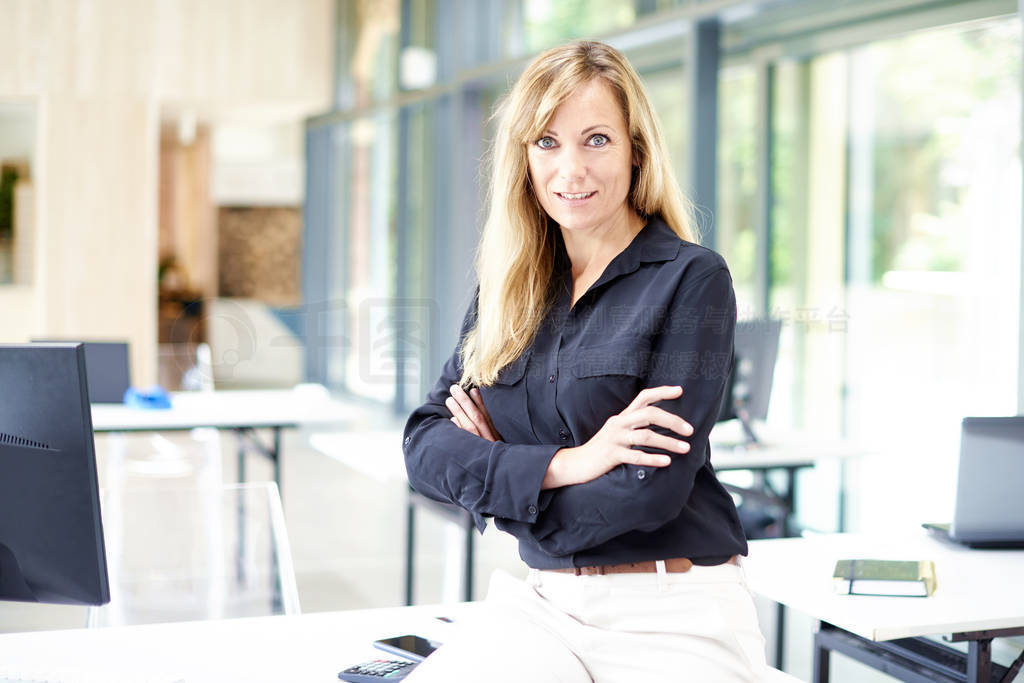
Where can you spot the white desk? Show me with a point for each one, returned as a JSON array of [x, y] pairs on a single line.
[[978, 597], [240, 411], [296, 649]]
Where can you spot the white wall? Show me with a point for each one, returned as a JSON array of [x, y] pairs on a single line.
[[101, 74]]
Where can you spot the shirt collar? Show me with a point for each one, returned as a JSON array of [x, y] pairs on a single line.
[[654, 243]]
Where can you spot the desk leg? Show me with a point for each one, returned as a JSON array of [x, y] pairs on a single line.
[[275, 455], [410, 547], [790, 501], [240, 435], [467, 575], [821, 654], [841, 519], [979, 661], [780, 635], [240, 510]]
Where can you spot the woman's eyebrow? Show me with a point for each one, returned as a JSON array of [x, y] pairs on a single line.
[[582, 132]]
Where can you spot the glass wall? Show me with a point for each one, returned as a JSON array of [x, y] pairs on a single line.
[[896, 252], [736, 217]]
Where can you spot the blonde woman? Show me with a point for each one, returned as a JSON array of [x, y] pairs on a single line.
[[577, 407]]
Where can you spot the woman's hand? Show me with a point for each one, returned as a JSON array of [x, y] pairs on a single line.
[[468, 412], [614, 443]]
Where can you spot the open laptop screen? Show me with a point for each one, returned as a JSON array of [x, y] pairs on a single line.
[[989, 500]]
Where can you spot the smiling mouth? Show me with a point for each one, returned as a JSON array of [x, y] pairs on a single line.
[[576, 195]]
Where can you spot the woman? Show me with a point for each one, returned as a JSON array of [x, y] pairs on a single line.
[[577, 408]]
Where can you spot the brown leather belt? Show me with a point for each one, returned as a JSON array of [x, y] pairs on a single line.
[[676, 565]]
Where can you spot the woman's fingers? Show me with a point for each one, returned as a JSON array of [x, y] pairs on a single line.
[[653, 415], [650, 439], [475, 412], [631, 456], [653, 395], [463, 407], [478, 400], [459, 413]]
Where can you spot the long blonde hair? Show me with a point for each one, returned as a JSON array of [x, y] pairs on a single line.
[[515, 259]]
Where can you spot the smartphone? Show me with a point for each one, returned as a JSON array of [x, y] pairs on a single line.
[[415, 648]]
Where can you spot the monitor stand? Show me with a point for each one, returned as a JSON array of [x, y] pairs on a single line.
[[747, 424], [12, 581]]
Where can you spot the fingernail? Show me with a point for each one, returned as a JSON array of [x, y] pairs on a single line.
[[683, 446], [665, 460]]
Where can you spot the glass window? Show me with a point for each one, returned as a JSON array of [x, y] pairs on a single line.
[[367, 58], [935, 236], [415, 309], [365, 363], [896, 257], [539, 24], [667, 90], [736, 216]]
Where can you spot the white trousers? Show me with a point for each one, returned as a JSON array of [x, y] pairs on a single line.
[[697, 626]]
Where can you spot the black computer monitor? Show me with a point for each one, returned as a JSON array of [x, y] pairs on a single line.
[[749, 386], [51, 535], [108, 365]]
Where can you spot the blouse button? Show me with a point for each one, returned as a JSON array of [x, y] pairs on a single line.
[[551, 378], [642, 474], [564, 434], [532, 510], [407, 440]]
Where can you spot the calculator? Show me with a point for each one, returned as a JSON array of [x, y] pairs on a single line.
[[377, 671]]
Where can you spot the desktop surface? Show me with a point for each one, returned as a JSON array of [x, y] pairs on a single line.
[[309, 647], [977, 589], [226, 410]]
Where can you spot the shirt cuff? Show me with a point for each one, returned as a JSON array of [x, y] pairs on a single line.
[[521, 471]]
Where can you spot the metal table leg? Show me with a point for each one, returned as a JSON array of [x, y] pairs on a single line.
[[410, 547]]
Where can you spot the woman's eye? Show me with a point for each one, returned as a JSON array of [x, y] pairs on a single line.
[[598, 140], [546, 143]]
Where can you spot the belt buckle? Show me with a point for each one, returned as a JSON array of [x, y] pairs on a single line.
[[590, 571]]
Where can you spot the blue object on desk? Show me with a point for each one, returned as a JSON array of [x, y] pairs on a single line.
[[153, 398]]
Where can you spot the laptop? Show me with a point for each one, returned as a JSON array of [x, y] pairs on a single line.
[[107, 370], [989, 502]]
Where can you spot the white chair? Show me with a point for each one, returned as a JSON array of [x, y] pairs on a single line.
[[182, 554]]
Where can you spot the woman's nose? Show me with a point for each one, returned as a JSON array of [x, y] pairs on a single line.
[[571, 166]]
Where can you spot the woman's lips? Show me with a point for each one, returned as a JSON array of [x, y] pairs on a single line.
[[575, 198]]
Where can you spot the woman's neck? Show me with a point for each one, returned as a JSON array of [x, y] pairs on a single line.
[[593, 249]]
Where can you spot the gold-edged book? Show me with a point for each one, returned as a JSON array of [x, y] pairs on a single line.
[[909, 578]]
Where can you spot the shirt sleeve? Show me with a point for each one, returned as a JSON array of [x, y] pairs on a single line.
[[449, 464], [694, 350]]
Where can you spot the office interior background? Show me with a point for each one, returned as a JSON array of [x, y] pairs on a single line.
[[300, 185]]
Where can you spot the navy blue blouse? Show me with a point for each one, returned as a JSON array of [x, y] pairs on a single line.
[[663, 312]]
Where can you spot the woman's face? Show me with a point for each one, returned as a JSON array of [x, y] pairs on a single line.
[[580, 166]]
